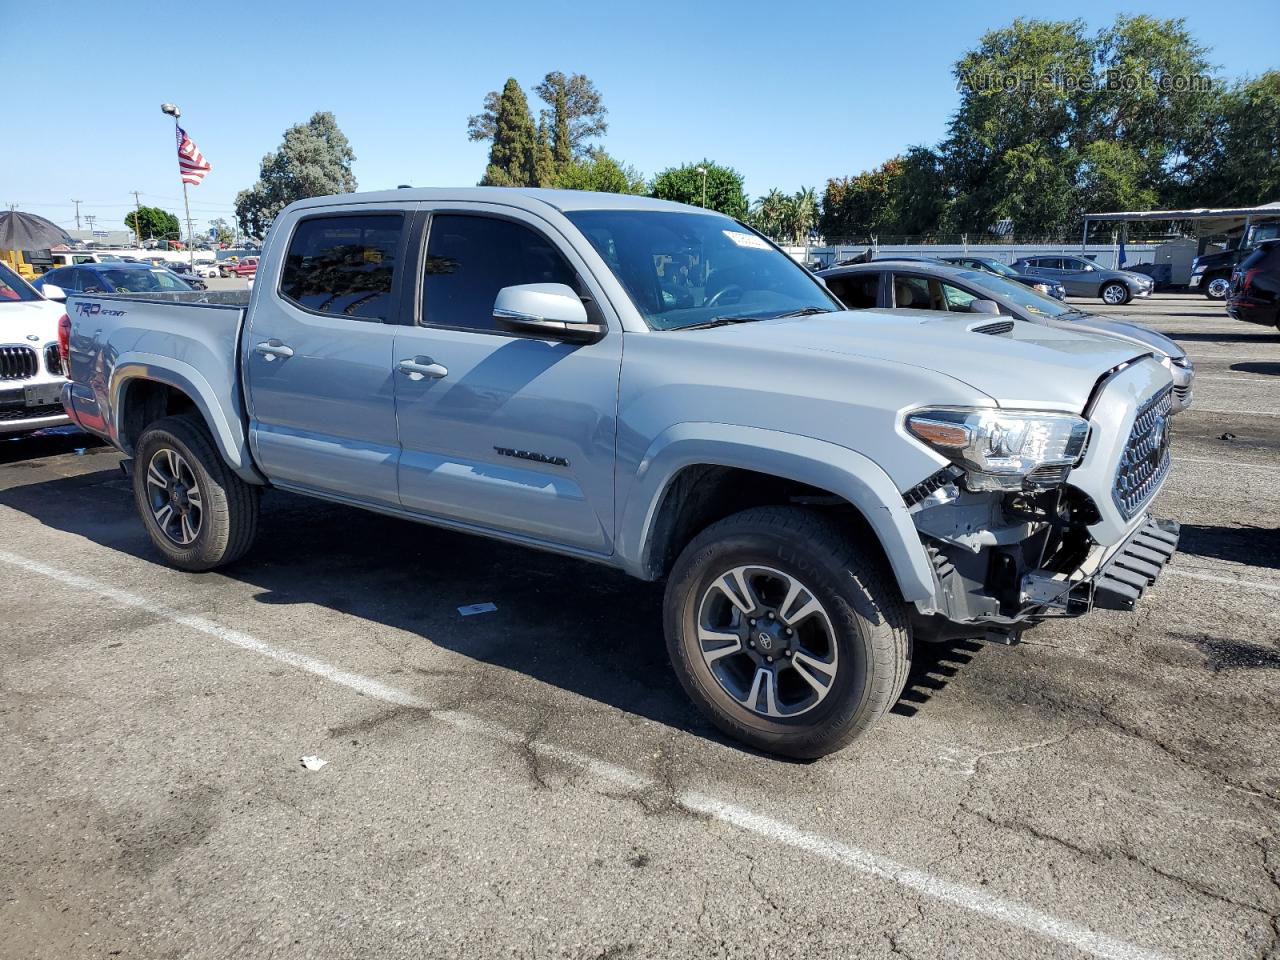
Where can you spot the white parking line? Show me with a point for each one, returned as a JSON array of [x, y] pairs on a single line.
[[1200, 377], [1234, 413], [857, 860]]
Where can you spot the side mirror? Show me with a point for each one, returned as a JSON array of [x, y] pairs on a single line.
[[984, 306], [52, 291], [552, 310]]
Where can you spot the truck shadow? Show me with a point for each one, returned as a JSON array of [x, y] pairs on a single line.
[[574, 625]]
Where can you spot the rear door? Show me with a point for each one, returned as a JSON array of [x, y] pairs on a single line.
[[1079, 277], [318, 359], [510, 432]]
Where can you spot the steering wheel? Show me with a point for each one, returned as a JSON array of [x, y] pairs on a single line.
[[715, 298]]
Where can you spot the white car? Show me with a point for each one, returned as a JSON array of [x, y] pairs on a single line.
[[31, 375], [207, 270]]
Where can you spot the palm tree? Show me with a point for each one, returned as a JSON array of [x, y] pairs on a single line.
[[767, 213]]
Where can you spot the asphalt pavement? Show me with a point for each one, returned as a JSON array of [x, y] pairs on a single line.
[[530, 782]]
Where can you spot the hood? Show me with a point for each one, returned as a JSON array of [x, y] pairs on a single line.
[[1031, 366], [1132, 332], [23, 318]]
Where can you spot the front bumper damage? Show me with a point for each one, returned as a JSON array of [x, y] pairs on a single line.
[[1119, 580]]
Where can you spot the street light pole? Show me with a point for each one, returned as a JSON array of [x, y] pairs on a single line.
[[703, 171], [172, 110]]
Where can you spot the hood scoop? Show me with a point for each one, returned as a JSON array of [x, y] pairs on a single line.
[[996, 329]]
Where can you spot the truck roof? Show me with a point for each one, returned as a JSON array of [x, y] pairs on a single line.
[[526, 198]]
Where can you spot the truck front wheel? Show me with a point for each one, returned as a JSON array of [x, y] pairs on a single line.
[[197, 512], [784, 632], [1217, 287]]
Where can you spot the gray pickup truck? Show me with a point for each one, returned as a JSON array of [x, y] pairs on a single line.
[[657, 388]]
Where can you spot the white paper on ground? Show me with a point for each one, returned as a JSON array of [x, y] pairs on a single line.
[[313, 763]]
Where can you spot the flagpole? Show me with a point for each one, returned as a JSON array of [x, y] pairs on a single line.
[[173, 111]]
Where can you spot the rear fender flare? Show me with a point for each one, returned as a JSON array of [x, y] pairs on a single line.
[[842, 471], [228, 433]]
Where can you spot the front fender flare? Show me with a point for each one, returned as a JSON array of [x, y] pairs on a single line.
[[227, 429], [839, 470]]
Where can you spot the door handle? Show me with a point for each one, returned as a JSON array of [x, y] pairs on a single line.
[[271, 349], [420, 367]]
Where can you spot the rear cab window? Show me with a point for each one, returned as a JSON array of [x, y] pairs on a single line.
[[343, 265]]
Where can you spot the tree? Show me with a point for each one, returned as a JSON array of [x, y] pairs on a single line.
[[768, 213], [224, 234], [724, 190], [576, 115], [1237, 159], [516, 154], [529, 155], [856, 207], [602, 173], [149, 222], [314, 160]]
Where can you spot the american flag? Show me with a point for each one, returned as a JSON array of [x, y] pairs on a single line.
[[191, 163]]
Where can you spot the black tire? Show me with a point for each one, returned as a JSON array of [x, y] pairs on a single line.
[[861, 603], [229, 512], [1216, 286], [1123, 297]]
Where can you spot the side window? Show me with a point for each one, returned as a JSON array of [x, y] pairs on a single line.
[[82, 259], [86, 280], [918, 293], [958, 301], [470, 258], [343, 265], [857, 291]]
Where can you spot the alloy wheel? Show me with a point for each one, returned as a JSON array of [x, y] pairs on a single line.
[[177, 505], [767, 640]]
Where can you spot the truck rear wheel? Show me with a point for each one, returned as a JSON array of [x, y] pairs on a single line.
[[784, 632], [198, 513]]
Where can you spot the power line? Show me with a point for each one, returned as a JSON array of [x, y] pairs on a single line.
[[77, 203]]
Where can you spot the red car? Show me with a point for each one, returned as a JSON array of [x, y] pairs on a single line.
[[245, 268]]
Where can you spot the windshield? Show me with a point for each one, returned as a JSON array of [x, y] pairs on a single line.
[[142, 281], [1020, 294], [13, 287], [686, 269], [995, 266]]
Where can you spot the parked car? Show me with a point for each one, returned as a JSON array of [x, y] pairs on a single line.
[[62, 258], [819, 489], [920, 285], [188, 273], [1051, 288], [1211, 272], [1255, 286], [110, 278], [207, 269], [243, 268], [1084, 278], [30, 363]]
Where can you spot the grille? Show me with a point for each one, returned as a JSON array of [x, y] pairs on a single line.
[[1145, 459], [9, 414], [53, 359], [995, 329], [17, 363]]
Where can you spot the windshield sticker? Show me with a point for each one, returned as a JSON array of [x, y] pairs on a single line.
[[748, 240]]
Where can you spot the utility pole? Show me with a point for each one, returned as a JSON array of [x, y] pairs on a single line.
[[89, 218], [137, 218], [77, 203]]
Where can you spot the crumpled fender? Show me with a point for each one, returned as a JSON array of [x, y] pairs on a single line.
[[837, 469]]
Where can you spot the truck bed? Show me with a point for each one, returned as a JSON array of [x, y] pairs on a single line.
[[182, 340]]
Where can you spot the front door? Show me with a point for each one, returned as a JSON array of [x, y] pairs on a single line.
[[319, 360], [505, 431]]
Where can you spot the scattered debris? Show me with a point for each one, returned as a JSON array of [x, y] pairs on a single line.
[[313, 763], [473, 609], [1227, 436]]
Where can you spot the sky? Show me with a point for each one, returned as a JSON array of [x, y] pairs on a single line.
[[789, 94]]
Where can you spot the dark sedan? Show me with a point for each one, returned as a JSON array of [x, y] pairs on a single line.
[[1255, 286], [990, 265], [111, 278]]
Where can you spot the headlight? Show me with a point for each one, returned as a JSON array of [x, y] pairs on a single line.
[[1003, 449], [1040, 287]]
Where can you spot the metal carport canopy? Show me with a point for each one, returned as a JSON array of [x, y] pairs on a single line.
[[1220, 218]]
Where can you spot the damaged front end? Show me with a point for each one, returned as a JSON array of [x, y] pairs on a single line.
[[1043, 515]]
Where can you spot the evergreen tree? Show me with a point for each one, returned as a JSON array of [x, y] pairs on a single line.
[[514, 153]]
